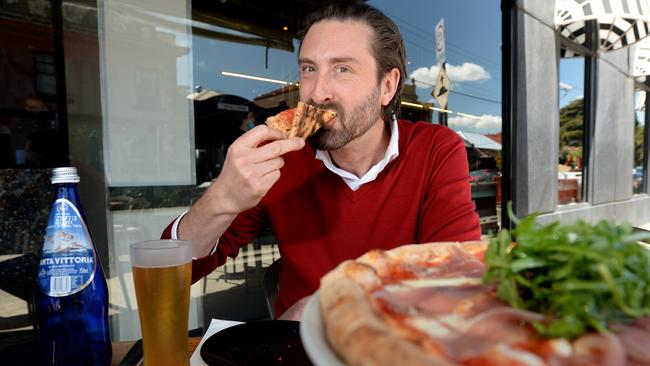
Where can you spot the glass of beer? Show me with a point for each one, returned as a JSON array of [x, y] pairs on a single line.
[[162, 272]]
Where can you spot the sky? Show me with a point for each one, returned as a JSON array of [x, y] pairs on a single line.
[[473, 39], [571, 79]]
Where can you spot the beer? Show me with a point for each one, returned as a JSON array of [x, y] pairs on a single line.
[[162, 273], [163, 312]]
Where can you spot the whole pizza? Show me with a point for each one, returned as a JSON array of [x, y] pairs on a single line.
[[427, 304]]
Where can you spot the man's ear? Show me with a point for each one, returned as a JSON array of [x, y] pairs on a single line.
[[389, 86]]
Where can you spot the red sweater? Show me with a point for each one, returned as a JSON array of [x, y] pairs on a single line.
[[421, 196]]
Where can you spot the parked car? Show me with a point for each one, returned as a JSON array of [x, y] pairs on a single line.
[[483, 175]]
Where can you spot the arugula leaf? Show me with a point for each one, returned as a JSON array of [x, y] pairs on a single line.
[[580, 276]]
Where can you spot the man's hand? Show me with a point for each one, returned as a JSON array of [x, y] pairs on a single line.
[[252, 167]]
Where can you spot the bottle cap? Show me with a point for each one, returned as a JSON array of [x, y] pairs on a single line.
[[65, 175]]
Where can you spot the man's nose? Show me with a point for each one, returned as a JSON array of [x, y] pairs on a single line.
[[321, 92]]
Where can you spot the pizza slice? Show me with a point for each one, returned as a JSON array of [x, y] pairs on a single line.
[[282, 121], [302, 121]]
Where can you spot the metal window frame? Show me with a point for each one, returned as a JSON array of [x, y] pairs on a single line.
[[590, 84], [59, 69], [590, 103], [508, 109]]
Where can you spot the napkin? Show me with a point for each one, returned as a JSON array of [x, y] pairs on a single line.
[[216, 325]]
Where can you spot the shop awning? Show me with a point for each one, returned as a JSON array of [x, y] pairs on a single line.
[[619, 22], [641, 66], [478, 141]]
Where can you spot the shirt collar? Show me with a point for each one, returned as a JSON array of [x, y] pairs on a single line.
[[352, 180]]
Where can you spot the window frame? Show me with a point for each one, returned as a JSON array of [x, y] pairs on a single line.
[[44, 54], [590, 84], [644, 86]]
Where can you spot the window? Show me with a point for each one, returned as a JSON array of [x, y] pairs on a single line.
[[253, 75], [243, 54], [572, 129], [45, 73], [638, 170]]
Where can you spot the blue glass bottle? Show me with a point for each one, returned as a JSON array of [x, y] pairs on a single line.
[[71, 297]]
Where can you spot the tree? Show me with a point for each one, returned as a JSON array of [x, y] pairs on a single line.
[[571, 132], [572, 124], [638, 143]]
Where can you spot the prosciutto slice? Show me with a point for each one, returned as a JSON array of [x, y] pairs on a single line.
[[635, 339], [468, 323], [598, 349]]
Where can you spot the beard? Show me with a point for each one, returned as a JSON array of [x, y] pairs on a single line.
[[360, 119]]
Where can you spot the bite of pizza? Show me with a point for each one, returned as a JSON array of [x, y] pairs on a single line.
[[302, 121]]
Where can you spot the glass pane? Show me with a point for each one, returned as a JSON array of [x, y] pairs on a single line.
[[638, 173], [46, 84], [28, 148], [473, 65], [248, 77], [570, 169]]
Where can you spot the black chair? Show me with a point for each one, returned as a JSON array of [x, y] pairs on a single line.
[[271, 285]]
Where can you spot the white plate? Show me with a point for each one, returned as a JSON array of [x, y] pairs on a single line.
[[312, 334]]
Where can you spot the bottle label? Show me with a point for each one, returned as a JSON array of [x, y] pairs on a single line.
[[68, 260]]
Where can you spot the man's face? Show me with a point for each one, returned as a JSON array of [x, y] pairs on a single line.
[[338, 72]]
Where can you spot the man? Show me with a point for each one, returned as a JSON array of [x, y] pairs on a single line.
[[364, 180]]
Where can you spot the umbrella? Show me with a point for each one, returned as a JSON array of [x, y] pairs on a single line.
[[619, 22]]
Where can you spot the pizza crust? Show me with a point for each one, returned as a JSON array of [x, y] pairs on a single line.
[[354, 329]]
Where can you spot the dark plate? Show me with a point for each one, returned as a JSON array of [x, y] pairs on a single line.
[[274, 342]]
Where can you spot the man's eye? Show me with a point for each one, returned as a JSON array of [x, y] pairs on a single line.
[[308, 69], [342, 69]]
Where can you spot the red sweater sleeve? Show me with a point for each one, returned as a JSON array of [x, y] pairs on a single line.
[[246, 226], [448, 212]]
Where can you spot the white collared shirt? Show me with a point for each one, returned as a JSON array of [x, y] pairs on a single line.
[[352, 180]]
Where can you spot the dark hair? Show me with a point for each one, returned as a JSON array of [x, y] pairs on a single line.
[[387, 44]]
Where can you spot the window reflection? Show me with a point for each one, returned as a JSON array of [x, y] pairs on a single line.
[[30, 142], [254, 38], [638, 171], [572, 127], [247, 70]]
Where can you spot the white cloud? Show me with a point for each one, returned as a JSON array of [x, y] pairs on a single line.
[[466, 72], [486, 123], [565, 86]]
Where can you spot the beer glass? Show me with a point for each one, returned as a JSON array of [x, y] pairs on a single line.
[[162, 272]]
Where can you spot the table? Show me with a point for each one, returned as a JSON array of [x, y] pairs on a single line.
[[121, 348]]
